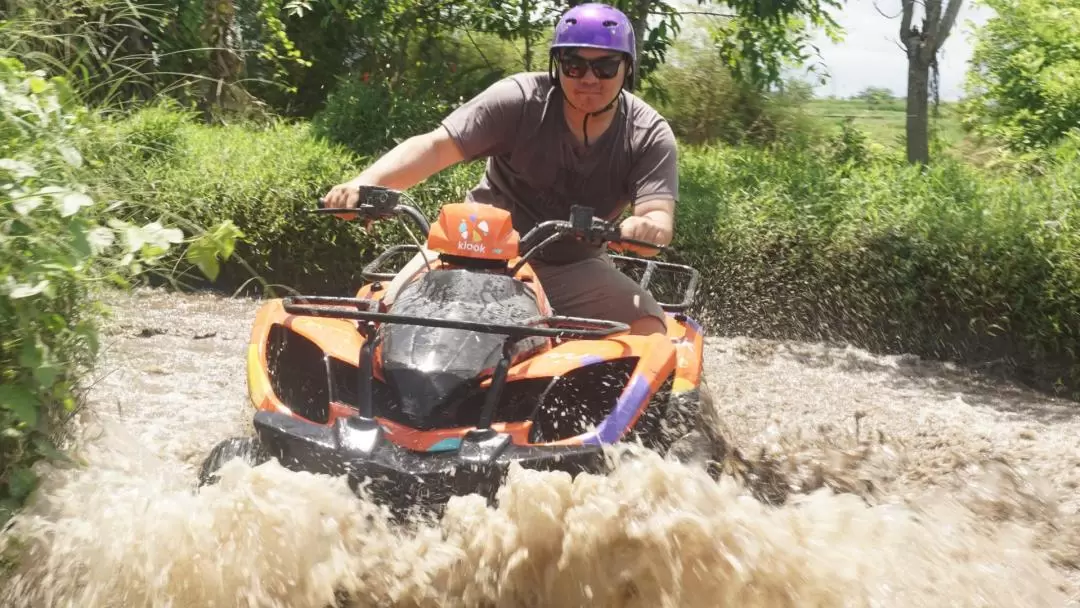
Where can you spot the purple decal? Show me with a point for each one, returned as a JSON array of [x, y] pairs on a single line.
[[632, 400], [591, 359], [694, 324], [691, 323]]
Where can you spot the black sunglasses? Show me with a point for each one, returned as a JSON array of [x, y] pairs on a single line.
[[576, 66]]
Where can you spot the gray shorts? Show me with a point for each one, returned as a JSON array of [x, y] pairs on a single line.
[[596, 288]]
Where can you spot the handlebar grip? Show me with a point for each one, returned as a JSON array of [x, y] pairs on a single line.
[[321, 208], [646, 244]]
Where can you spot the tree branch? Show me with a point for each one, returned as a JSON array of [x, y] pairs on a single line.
[[882, 13], [480, 51], [932, 18], [705, 13], [905, 23], [944, 26]]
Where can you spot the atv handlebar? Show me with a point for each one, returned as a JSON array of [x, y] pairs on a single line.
[[377, 202], [584, 227]]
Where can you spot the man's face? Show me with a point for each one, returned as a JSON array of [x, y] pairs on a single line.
[[580, 81]]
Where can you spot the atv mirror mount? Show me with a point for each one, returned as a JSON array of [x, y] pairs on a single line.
[[366, 370], [498, 381], [581, 218]]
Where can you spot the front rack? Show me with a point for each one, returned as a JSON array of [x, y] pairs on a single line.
[[367, 310]]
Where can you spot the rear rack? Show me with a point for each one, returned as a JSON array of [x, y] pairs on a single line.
[[650, 270], [367, 310], [373, 271]]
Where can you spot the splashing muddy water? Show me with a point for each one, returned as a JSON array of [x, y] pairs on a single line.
[[905, 483]]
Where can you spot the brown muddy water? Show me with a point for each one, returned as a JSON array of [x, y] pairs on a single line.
[[955, 492]]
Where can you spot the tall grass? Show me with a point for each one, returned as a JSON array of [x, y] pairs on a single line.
[[104, 49]]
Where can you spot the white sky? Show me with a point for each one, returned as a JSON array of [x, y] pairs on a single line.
[[870, 55]]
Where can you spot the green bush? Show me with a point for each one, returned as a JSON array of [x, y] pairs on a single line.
[[267, 181], [701, 100], [372, 115], [952, 263], [56, 242], [1024, 84]]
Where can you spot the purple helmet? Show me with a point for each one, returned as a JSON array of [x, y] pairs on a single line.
[[597, 26]]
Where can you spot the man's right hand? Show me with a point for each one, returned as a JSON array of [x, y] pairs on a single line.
[[343, 196]]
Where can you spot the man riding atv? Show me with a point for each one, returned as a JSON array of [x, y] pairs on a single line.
[[575, 135]]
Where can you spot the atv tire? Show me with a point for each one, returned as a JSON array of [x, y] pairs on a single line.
[[246, 448], [701, 439]]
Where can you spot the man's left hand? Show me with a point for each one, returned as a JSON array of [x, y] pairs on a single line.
[[641, 228]]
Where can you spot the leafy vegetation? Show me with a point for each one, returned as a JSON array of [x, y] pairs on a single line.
[[263, 180], [56, 243], [1025, 76], [704, 102]]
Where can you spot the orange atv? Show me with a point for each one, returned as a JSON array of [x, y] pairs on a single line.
[[436, 377]]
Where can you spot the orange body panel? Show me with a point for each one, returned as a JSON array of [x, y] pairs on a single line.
[[658, 357], [656, 361], [488, 228], [689, 344], [474, 230]]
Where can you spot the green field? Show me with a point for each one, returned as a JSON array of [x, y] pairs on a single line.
[[883, 122]]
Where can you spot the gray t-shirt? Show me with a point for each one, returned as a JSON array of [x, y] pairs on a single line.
[[537, 169]]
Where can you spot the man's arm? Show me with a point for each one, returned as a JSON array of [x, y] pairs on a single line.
[[413, 161], [656, 185], [409, 163], [483, 126], [661, 213], [653, 221]]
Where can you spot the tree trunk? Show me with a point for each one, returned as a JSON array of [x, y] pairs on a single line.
[[526, 30], [918, 94], [922, 46], [225, 64], [640, 18]]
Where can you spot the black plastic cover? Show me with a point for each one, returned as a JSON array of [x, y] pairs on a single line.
[[431, 368]]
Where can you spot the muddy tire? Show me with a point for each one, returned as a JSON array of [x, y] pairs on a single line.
[[702, 439], [246, 448]]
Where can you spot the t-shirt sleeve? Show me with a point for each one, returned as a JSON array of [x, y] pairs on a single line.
[[486, 124], [656, 171]]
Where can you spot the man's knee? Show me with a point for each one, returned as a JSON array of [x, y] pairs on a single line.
[[648, 325], [595, 288]]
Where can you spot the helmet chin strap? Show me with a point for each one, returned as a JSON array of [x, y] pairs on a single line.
[[585, 120]]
